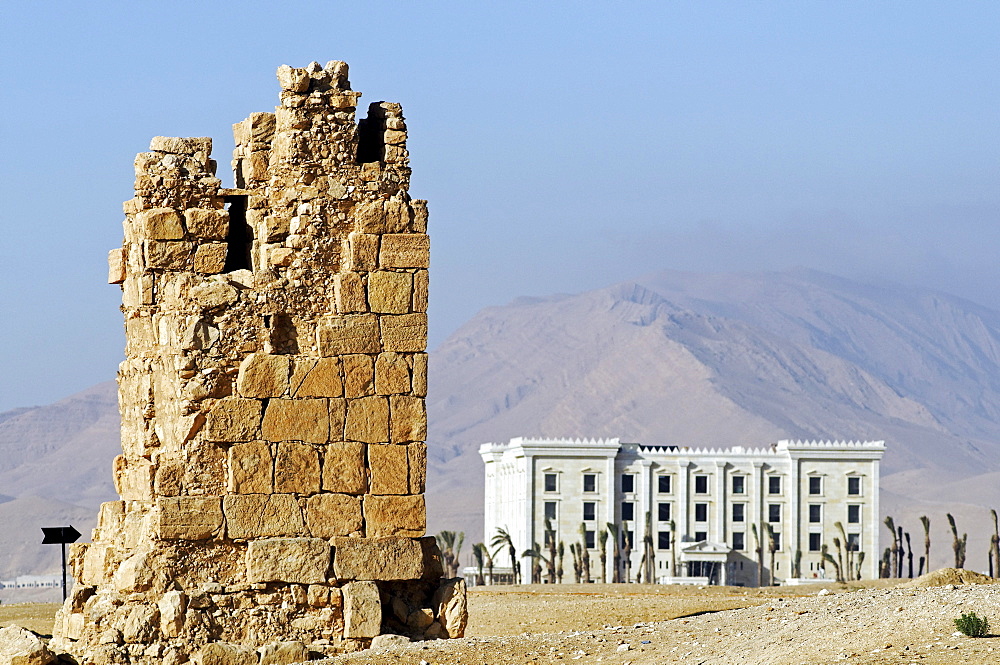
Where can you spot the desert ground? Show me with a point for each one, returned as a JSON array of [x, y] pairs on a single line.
[[887, 621]]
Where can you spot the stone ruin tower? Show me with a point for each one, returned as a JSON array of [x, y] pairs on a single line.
[[272, 399]]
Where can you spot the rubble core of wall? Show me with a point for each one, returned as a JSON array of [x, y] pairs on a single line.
[[272, 399]]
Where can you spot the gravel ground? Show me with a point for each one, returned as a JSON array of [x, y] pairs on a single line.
[[896, 625]]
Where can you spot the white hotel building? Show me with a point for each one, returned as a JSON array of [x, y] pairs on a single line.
[[715, 499]]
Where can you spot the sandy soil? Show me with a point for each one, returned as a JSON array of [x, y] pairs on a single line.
[[877, 622]]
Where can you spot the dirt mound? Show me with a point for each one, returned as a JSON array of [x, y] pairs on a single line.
[[949, 576]]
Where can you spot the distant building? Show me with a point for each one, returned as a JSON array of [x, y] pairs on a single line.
[[698, 507]]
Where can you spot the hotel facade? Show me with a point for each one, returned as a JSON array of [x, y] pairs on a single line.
[[691, 515]]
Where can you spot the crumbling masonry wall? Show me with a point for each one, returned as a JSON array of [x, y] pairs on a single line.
[[272, 399]]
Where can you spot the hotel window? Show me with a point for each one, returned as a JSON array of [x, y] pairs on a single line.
[[663, 484], [628, 483], [815, 513], [663, 512], [854, 514], [773, 512], [815, 485], [663, 540], [854, 486], [815, 542], [588, 537], [628, 511], [739, 484], [700, 536], [627, 535], [701, 484], [701, 512], [774, 485], [551, 482], [777, 541], [589, 511], [739, 542], [550, 510], [854, 542], [739, 512], [590, 482]]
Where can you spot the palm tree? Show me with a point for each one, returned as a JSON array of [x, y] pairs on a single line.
[[477, 555], [797, 564], [840, 560], [489, 563], [894, 553], [550, 541], [957, 544], [561, 550], [861, 560], [772, 547], [825, 553], [503, 540], [759, 550], [995, 542], [627, 552], [616, 557], [847, 546], [649, 554], [927, 540], [584, 554], [899, 560], [535, 553], [884, 570], [450, 544], [602, 541], [909, 555], [673, 550], [574, 549]]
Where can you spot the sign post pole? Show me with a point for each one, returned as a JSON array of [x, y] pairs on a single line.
[[60, 535]]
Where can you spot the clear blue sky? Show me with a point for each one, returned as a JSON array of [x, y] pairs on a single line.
[[562, 146]]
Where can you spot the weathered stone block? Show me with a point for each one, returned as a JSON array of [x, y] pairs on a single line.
[[349, 333], [392, 374], [234, 419], [318, 595], [317, 378], [451, 607], [283, 653], [133, 478], [214, 294], [168, 254], [220, 653], [22, 647], [329, 515], [207, 223], [420, 289], [404, 250], [359, 375], [394, 515], [181, 145], [262, 516], [344, 468], [390, 292], [96, 564], [293, 79], [293, 560], [370, 216], [116, 266], [167, 481], [263, 375], [409, 418], [419, 207], [389, 469], [377, 558], [210, 258], [397, 212], [404, 332], [420, 374], [296, 468], [135, 573], [362, 252], [161, 224], [416, 455], [297, 420], [349, 293], [362, 610], [250, 468], [172, 607], [367, 420], [188, 518]]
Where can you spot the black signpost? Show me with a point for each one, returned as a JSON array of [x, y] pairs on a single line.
[[60, 535]]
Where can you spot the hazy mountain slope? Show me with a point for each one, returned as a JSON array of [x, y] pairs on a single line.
[[712, 360]]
